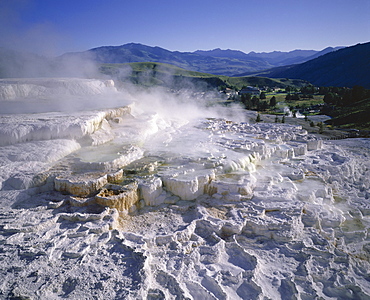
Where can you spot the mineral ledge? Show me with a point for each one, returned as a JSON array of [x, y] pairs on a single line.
[[120, 203]]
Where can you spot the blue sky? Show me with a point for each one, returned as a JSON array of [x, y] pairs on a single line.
[[54, 27]]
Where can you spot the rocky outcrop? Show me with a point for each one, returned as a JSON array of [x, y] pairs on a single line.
[[82, 187], [122, 197], [188, 186]]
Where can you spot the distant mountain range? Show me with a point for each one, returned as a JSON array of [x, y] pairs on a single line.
[[276, 58], [217, 61], [330, 67]]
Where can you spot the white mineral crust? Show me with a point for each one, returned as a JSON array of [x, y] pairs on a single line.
[[125, 203]]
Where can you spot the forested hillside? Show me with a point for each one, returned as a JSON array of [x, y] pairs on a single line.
[[346, 67]]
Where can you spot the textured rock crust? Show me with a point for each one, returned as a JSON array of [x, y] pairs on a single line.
[[204, 209]]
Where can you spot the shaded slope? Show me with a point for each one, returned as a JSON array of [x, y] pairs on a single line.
[[345, 67], [355, 116]]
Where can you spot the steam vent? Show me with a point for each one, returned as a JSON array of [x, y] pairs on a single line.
[[125, 194]]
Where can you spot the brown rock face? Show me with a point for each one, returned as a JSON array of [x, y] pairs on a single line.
[[120, 197]]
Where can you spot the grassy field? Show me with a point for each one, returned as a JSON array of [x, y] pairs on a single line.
[[280, 97], [317, 99], [239, 82], [281, 102], [150, 74]]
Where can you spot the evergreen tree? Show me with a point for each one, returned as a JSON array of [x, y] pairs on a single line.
[[294, 97], [255, 101], [246, 100], [321, 127], [329, 98], [273, 101], [308, 89], [262, 105]]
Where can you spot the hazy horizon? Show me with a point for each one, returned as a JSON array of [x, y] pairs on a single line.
[[53, 28], [139, 43]]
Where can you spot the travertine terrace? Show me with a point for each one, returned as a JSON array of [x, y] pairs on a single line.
[[114, 200]]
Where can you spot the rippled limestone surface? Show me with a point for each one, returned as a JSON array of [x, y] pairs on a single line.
[[211, 209]]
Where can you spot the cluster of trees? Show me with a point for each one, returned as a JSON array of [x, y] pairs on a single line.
[[333, 97], [337, 96], [257, 103], [305, 92], [292, 97], [340, 96]]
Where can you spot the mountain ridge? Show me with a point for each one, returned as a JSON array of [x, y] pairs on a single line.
[[332, 66], [217, 61], [344, 67]]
